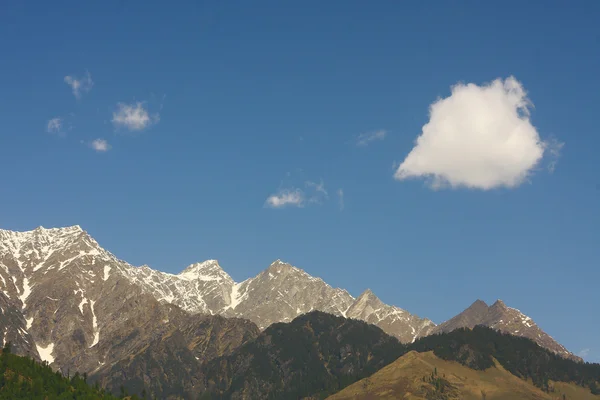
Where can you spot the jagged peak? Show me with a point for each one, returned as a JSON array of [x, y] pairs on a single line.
[[368, 296], [72, 228], [479, 305], [208, 270], [202, 266], [367, 293], [279, 266], [48, 236], [40, 229], [499, 304]]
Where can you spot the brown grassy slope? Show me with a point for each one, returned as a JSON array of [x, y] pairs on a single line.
[[403, 379]]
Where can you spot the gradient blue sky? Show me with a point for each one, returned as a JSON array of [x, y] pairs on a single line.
[[247, 99]]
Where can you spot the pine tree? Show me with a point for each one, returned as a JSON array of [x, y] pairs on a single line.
[[7, 348]]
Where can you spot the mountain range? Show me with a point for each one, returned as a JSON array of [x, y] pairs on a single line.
[[66, 300]]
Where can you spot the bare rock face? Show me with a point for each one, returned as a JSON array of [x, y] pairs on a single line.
[[505, 319], [393, 320], [281, 293], [164, 354], [13, 329]]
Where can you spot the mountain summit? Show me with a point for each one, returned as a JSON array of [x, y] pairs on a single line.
[[505, 319]]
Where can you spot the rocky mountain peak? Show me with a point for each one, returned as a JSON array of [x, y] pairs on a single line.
[[394, 320], [499, 304], [368, 297], [479, 307], [505, 319], [365, 305], [208, 270], [279, 266], [479, 303], [67, 229]]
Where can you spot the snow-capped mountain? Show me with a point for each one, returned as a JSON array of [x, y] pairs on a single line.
[[70, 293], [201, 288], [69, 300], [68, 289]]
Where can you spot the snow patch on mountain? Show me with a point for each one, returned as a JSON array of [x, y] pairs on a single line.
[[25, 292], [106, 272], [94, 325], [46, 352]]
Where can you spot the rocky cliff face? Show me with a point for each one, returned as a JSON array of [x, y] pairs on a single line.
[[405, 326], [164, 355], [281, 293], [13, 329]]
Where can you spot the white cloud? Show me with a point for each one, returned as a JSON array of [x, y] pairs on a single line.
[[100, 145], [286, 197], [54, 125], [340, 193], [133, 117], [80, 85], [584, 353], [366, 138], [479, 137]]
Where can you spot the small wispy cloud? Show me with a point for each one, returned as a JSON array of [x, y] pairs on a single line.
[[364, 139], [340, 193], [584, 353], [100, 145], [291, 194], [286, 197], [554, 149], [318, 191], [54, 125], [80, 85], [134, 117]]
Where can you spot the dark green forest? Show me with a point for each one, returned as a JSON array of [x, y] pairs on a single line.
[[24, 378], [317, 354]]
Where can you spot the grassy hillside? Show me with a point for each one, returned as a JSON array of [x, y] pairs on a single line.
[[24, 378], [424, 376]]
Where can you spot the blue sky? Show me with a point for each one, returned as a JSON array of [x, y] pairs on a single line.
[[165, 131]]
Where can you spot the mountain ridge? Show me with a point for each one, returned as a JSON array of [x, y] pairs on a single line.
[[44, 264], [505, 319]]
